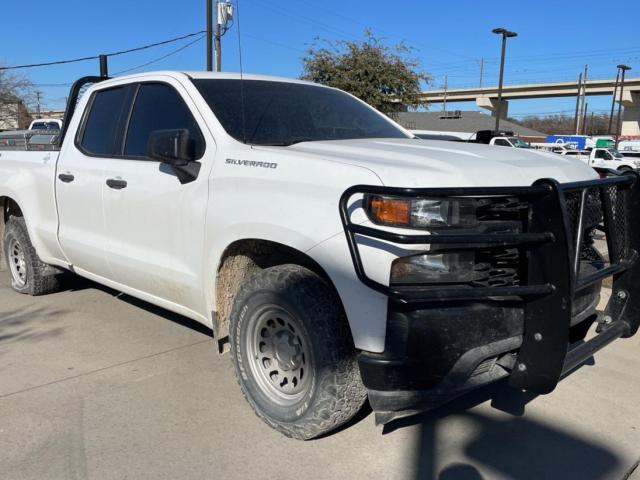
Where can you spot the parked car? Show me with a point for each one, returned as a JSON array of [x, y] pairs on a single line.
[[338, 257]]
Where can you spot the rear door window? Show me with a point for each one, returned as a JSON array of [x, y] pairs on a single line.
[[159, 107], [100, 135]]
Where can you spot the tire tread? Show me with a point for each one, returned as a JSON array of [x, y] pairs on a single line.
[[41, 281], [340, 392]]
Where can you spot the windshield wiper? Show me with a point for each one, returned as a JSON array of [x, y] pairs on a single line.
[[293, 141]]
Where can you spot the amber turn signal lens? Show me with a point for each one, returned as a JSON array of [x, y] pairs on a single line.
[[390, 211]]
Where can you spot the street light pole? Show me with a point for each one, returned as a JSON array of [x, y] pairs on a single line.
[[613, 103], [623, 68], [505, 34]]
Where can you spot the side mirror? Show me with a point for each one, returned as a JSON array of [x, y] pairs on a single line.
[[171, 146], [176, 148]]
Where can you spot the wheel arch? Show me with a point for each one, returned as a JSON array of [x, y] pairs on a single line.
[[8, 207], [239, 260]]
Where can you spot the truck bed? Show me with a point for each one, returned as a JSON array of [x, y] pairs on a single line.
[[21, 140]]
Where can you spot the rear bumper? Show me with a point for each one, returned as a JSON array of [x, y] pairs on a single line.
[[443, 342]]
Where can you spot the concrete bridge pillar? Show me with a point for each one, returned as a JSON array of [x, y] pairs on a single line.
[[631, 113], [492, 105]]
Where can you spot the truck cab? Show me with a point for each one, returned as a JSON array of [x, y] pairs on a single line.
[[513, 142], [500, 138], [607, 158], [613, 159]]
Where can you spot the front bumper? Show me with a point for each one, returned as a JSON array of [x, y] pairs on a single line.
[[444, 341]]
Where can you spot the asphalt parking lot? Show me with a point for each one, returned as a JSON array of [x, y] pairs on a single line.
[[97, 385]]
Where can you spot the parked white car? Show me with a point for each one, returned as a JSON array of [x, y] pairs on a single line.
[[337, 255]]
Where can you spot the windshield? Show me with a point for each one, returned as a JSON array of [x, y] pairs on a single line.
[[45, 126], [282, 113], [516, 142], [615, 153]]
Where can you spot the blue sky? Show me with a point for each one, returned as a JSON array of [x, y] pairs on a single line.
[[556, 39]]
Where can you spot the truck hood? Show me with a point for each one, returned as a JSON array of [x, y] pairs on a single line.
[[426, 163]]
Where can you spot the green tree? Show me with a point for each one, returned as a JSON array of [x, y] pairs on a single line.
[[384, 76]]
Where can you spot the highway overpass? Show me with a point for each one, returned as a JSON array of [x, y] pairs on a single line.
[[487, 97]]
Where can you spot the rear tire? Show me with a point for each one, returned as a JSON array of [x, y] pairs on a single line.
[[293, 354], [28, 274]]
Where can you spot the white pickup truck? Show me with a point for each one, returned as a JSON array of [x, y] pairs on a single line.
[[513, 142], [339, 256], [608, 158]]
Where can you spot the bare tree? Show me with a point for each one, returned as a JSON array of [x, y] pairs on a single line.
[[16, 92]]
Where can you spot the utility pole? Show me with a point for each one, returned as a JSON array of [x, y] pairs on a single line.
[[481, 70], [613, 103], [38, 102], [584, 95], [444, 103], [218, 43], [505, 34], [575, 118], [584, 118], [209, 35], [623, 69]]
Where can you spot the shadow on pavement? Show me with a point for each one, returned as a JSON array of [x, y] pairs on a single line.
[[74, 283], [515, 447], [27, 324]]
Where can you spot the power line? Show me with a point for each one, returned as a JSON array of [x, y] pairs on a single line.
[[157, 44], [163, 56], [113, 54], [350, 19], [49, 85]]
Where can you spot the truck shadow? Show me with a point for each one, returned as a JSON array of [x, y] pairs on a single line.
[[74, 283], [513, 446]]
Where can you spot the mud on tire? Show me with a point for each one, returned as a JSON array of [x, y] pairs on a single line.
[[293, 353]]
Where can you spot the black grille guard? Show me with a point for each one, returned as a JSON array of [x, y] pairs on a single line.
[[552, 239]]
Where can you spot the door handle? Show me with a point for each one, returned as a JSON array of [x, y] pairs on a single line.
[[116, 183], [66, 177]]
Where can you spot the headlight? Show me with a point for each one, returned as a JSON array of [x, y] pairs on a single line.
[[436, 267], [420, 212]]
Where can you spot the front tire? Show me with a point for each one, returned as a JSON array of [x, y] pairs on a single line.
[[28, 274], [293, 354]]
